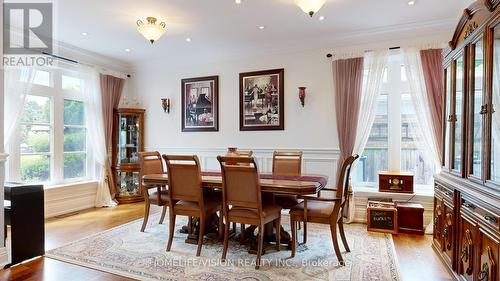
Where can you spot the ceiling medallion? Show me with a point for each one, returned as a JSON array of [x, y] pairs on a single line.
[[310, 7], [150, 30]]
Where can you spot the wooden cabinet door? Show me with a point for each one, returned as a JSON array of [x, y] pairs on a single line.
[[468, 248], [438, 223], [448, 232], [488, 269]]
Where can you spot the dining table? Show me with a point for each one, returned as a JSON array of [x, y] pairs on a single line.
[[305, 184]]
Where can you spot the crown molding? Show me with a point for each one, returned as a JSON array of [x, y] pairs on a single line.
[[366, 37]]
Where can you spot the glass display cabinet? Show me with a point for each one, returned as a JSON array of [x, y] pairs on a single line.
[[128, 141], [467, 190]]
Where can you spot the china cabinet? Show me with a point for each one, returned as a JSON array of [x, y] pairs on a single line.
[[128, 141], [467, 191]]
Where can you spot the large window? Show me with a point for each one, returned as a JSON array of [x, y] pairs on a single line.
[[51, 144], [394, 143]]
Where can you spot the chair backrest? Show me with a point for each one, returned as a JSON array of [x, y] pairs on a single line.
[[245, 153], [150, 163], [240, 183], [343, 181], [184, 178], [287, 163]]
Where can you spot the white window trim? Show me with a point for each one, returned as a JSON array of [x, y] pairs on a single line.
[[57, 96], [394, 91]]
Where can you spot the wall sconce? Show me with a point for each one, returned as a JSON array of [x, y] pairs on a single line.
[[165, 104], [302, 95]]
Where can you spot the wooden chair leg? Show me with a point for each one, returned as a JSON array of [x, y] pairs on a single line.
[[146, 216], [220, 232], [234, 227], [333, 230], [342, 235], [242, 234], [305, 233], [171, 228], [226, 240], [277, 226], [201, 234], [163, 212], [294, 235], [259, 246]]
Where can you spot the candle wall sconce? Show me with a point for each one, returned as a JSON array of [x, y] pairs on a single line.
[[302, 95], [165, 104]]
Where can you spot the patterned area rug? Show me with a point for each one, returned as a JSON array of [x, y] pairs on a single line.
[[127, 252]]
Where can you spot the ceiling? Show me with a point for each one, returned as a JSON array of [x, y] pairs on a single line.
[[220, 28]]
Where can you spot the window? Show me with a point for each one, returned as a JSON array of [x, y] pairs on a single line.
[[52, 140], [35, 143], [74, 140], [394, 143]]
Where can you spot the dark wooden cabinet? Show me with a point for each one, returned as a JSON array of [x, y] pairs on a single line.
[[467, 191], [128, 141]]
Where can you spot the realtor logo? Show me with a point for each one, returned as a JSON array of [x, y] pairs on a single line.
[[27, 28]]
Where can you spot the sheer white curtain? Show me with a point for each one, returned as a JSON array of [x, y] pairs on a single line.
[[374, 64], [94, 119], [415, 75], [17, 84]]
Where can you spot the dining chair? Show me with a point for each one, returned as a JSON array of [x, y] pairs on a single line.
[[242, 200], [325, 210], [187, 197], [287, 164], [151, 163]]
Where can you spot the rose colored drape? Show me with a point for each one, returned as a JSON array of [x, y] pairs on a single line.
[[432, 63], [348, 79], [111, 92]]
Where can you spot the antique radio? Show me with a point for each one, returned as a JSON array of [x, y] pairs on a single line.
[[398, 182], [410, 218]]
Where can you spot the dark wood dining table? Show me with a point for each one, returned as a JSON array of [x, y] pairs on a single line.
[[305, 184]]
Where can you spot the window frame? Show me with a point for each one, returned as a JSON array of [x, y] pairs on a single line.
[[395, 86], [57, 96]]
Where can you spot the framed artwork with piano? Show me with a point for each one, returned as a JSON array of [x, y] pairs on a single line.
[[200, 104], [262, 100]]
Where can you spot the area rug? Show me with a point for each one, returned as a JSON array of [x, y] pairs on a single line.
[[126, 251]]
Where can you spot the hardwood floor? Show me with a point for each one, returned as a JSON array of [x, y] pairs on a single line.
[[416, 257]]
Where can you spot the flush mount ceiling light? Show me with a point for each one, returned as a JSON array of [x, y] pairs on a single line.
[[310, 7], [151, 30]]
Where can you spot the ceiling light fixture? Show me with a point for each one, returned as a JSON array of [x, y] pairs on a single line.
[[310, 7], [151, 30], [261, 27], [84, 33], [188, 39], [127, 50], [411, 3], [237, 1], [322, 18]]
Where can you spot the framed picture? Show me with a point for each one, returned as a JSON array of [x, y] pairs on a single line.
[[200, 104], [262, 100]]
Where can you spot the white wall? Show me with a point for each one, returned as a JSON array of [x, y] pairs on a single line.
[[312, 126]]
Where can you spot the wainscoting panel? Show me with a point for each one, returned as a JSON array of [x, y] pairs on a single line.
[[315, 161], [69, 198]]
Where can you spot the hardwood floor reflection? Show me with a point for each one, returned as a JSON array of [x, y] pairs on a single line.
[[416, 257]]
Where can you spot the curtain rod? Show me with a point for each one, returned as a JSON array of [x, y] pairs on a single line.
[[329, 55], [69, 60]]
